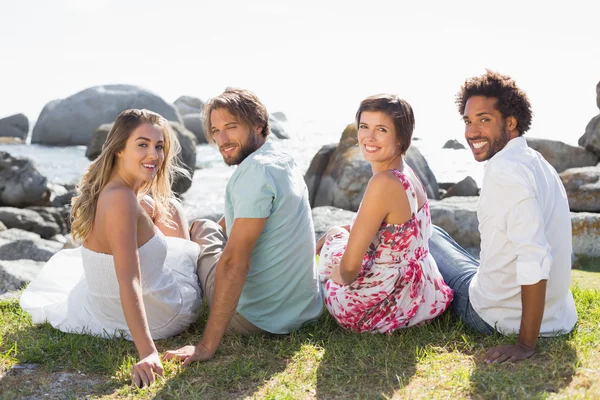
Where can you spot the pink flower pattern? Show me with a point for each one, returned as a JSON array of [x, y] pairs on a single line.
[[399, 284]]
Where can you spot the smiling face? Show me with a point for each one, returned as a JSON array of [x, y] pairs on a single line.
[[143, 153], [235, 140], [486, 131], [377, 139]]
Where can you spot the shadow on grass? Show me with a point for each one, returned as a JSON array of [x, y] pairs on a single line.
[[366, 365], [547, 372]]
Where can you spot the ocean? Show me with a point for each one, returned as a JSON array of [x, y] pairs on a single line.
[[65, 165]]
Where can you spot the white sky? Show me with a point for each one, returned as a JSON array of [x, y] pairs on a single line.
[[314, 60]]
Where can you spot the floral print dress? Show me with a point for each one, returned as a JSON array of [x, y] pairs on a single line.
[[399, 284]]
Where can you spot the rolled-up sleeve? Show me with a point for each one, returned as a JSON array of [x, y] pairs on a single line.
[[253, 193], [521, 217]]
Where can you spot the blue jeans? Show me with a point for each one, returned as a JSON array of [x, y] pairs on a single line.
[[457, 268]]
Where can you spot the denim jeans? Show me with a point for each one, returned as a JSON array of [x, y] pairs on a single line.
[[457, 268]]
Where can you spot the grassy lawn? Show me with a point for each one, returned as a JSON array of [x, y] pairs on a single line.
[[443, 360]]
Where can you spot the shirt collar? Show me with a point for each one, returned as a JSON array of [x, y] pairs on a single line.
[[513, 145]]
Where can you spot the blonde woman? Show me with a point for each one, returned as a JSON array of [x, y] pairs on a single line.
[[135, 273]]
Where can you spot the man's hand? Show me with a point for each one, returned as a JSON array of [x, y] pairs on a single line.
[[189, 354], [142, 373], [510, 353]]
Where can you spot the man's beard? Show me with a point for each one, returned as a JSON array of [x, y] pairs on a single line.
[[500, 142], [245, 150]]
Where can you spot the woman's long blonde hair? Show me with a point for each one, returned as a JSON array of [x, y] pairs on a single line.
[[100, 171]]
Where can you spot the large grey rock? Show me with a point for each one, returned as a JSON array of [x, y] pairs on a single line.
[[466, 187], [14, 126], [458, 217], [453, 144], [316, 169], [21, 184], [345, 179], [187, 157], [189, 105], [583, 188], [94, 147], [28, 220], [188, 143], [72, 121], [419, 164], [586, 234], [561, 155], [591, 138], [16, 274], [277, 128], [326, 217], [16, 244], [193, 123], [279, 116], [55, 215]]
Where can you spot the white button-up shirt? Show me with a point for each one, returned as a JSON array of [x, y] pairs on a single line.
[[525, 227]]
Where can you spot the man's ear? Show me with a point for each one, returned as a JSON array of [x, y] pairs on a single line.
[[258, 129], [511, 123]]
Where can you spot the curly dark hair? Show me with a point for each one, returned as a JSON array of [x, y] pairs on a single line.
[[511, 101]]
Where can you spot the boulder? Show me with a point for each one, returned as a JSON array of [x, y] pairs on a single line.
[[591, 138], [345, 179], [187, 157], [598, 94], [61, 196], [189, 105], [94, 147], [326, 217], [16, 244], [586, 231], [16, 274], [277, 128], [279, 116], [316, 169], [446, 185], [466, 187], [21, 184], [28, 220], [453, 144], [583, 188], [561, 155], [55, 215], [72, 121], [458, 217], [14, 126], [11, 140], [417, 162], [193, 123]]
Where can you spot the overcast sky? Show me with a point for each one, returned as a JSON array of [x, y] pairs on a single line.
[[314, 60]]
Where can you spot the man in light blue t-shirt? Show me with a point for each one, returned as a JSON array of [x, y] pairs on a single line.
[[256, 267]]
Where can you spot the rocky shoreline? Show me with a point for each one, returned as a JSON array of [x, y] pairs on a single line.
[[34, 214]]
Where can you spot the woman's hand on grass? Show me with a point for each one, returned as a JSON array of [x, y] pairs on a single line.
[[510, 353], [142, 373], [189, 354]]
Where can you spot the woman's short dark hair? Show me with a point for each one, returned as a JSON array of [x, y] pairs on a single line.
[[398, 110], [510, 100]]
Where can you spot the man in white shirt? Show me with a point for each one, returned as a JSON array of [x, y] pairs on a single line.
[[522, 283]]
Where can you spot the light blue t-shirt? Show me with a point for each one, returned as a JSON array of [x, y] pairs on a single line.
[[282, 289]]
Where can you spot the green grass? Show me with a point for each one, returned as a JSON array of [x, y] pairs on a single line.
[[443, 360]]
